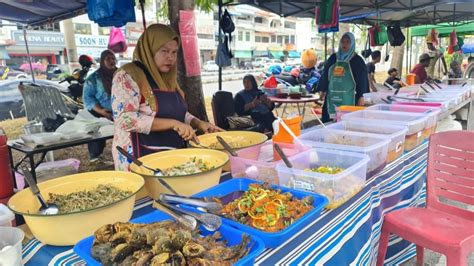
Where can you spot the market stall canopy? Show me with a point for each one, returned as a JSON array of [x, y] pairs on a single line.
[[37, 12], [444, 29], [409, 12]]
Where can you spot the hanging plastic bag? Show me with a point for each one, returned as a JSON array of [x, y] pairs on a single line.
[[223, 57], [118, 12], [367, 51], [381, 35], [189, 43], [117, 41], [395, 34], [453, 41]]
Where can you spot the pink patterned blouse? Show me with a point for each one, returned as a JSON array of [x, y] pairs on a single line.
[[131, 114]]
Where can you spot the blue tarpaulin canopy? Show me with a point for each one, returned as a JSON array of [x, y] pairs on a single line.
[[468, 48], [35, 12]]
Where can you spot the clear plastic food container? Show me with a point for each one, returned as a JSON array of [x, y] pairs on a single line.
[[431, 112], [338, 188], [414, 122], [376, 147], [378, 97], [395, 132], [259, 162], [6, 216]]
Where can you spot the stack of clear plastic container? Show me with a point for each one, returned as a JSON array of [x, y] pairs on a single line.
[[415, 123], [395, 132], [374, 146], [259, 162], [338, 188], [431, 112]]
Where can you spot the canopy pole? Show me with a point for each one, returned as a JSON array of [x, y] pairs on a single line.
[[219, 37], [325, 46], [407, 56], [142, 7], [28, 55]]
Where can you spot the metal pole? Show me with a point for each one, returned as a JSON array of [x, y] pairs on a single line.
[[407, 56], [28, 55], [219, 37], [325, 46]]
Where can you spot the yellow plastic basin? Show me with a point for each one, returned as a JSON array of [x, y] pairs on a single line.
[[186, 184], [243, 139], [67, 229]]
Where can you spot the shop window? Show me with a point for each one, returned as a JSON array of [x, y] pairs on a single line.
[[265, 39], [287, 39], [258, 39], [104, 31], [240, 36], [290, 25], [292, 39], [274, 38], [82, 28], [205, 36], [247, 36], [280, 39], [258, 20]]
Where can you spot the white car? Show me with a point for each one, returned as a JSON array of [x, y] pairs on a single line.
[[260, 61], [273, 62], [210, 66], [293, 61]]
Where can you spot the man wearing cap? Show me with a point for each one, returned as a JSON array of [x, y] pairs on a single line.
[[434, 54], [419, 69]]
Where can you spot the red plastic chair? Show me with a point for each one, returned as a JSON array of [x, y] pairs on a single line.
[[440, 227]]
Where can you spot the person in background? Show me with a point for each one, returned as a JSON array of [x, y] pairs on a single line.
[[420, 69], [96, 96], [252, 101], [393, 79], [376, 55], [149, 108], [434, 54], [344, 79], [455, 70]]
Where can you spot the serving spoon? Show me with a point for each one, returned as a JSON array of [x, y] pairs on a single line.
[[45, 209], [156, 172]]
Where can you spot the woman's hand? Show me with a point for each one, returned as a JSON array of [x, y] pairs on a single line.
[[185, 131], [106, 113], [207, 127]]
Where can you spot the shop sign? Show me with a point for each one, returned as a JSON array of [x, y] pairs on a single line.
[[84, 40], [39, 38]]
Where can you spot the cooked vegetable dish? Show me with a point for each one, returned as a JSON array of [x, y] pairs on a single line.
[[194, 166], [233, 143], [267, 209], [163, 243], [325, 170], [85, 200]]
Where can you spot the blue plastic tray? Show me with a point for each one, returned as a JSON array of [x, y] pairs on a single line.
[[274, 239], [233, 237]]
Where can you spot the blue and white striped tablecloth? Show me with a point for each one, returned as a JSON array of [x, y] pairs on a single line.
[[348, 235]]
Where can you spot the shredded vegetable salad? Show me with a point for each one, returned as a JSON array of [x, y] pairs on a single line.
[[193, 166], [325, 170], [267, 209]]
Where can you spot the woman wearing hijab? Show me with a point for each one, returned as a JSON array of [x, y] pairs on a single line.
[[96, 96], [149, 108], [344, 79], [252, 101]]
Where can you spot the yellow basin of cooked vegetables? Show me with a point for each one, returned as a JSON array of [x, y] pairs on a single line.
[[236, 139], [68, 228], [183, 184]]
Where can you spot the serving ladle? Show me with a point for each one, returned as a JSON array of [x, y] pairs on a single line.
[[45, 209], [226, 146], [156, 172]]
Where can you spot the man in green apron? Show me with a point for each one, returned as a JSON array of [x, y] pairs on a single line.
[[344, 78]]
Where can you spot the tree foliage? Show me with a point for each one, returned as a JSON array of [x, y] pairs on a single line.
[[203, 5]]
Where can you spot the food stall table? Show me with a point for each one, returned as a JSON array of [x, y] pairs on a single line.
[[29, 152], [348, 234]]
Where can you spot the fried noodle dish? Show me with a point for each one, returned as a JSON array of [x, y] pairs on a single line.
[[267, 209], [85, 200], [193, 166]]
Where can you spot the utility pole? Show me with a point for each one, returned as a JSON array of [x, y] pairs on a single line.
[[69, 38]]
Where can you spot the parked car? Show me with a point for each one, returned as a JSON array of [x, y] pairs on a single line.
[[293, 62], [210, 66], [272, 62], [260, 61], [11, 102], [122, 62], [12, 73], [245, 65], [53, 71]]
